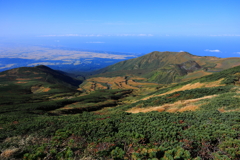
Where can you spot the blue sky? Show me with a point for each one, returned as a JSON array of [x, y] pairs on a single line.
[[119, 17], [205, 27]]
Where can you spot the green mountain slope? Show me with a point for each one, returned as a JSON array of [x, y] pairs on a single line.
[[167, 67], [38, 74], [30, 84], [172, 73], [196, 119], [220, 86]]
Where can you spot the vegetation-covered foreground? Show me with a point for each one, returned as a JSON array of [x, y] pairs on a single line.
[[68, 124]]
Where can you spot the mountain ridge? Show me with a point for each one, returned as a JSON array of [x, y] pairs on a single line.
[[149, 65], [195, 119]]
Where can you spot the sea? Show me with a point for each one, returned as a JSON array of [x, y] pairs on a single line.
[[219, 46], [134, 46]]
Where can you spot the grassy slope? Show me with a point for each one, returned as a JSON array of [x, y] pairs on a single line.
[[220, 84], [38, 74], [211, 132], [98, 83], [168, 74], [157, 65]]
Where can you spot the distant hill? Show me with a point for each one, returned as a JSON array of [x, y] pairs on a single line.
[[35, 80], [168, 67]]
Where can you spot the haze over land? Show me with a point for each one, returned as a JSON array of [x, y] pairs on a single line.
[[56, 57]]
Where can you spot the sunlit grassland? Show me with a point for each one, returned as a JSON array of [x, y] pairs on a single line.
[[68, 124]]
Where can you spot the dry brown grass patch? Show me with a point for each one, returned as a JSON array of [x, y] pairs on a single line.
[[113, 82], [232, 110], [23, 79], [46, 89], [139, 78], [36, 89], [144, 110], [179, 106], [215, 83], [172, 110], [124, 85], [189, 87], [69, 106], [80, 89], [196, 74], [8, 152], [21, 82], [221, 110], [160, 109], [37, 77], [219, 65], [188, 108]]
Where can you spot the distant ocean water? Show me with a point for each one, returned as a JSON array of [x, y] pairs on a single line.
[[219, 46], [135, 46]]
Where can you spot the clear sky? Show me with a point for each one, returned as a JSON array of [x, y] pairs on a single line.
[[120, 17]]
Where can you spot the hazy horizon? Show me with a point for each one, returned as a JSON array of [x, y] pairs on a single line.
[[203, 28], [222, 47]]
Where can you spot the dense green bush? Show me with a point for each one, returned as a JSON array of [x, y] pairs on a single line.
[[27, 124], [181, 135], [181, 95]]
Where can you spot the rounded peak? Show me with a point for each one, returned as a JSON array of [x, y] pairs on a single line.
[[185, 54], [162, 53], [42, 67]]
